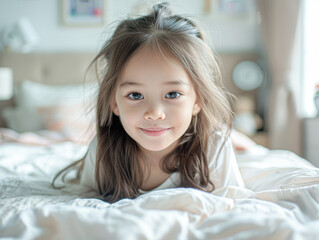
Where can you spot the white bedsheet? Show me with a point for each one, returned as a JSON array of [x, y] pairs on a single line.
[[280, 201]]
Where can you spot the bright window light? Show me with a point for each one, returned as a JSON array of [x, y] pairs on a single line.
[[311, 55]]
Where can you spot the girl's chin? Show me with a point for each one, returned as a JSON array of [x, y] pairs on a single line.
[[157, 147], [153, 148]]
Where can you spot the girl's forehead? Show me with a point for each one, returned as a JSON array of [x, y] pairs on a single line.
[[148, 55], [147, 63], [154, 52]]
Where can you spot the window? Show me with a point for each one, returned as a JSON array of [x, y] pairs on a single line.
[[311, 56]]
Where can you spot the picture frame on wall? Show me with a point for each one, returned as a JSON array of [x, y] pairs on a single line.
[[230, 10], [83, 13]]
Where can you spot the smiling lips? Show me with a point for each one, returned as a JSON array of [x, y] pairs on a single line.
[[155, 131]]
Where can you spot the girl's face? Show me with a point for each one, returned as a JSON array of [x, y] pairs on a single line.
[[155, 100]]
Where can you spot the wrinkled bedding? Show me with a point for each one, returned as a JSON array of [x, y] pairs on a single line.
[[280, 201]]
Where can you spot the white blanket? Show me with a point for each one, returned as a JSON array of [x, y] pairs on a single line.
[[280, 201]]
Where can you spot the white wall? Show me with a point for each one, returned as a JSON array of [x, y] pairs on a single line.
[[229, 34]]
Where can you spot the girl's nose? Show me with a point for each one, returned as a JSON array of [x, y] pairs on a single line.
[[154, 113]]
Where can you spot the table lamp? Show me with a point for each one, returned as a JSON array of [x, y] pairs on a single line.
[[20, 37]]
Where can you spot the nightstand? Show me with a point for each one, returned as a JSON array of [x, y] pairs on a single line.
[[311, 140]]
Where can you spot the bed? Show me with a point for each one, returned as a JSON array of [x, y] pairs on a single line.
[[280, 199]]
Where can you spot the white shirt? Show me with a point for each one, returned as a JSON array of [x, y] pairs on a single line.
[[223, 171]]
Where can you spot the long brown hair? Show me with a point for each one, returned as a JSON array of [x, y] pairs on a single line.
[[119, 172]]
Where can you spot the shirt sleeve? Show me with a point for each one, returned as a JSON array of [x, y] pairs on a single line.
[[88, 173], [223, 168]]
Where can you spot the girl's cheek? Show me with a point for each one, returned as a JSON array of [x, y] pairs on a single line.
[[132, 110]]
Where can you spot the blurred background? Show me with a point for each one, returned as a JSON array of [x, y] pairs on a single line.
[[267, 51]]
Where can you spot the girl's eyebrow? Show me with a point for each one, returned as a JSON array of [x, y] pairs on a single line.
[[175, 82], [130, 83]]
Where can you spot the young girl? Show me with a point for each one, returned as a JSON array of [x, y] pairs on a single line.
[[163, 118]]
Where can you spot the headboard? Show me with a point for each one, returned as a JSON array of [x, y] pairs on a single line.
[[67, 68], [50, 68]]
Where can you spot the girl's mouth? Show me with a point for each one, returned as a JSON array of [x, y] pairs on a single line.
[[155, 131]]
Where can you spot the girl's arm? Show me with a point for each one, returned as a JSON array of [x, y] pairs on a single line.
[[223, 168]]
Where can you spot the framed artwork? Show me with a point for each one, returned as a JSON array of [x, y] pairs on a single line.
[[230, 10], [225, 6], [83, 13]]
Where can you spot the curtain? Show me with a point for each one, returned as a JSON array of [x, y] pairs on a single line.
[[280, 23]]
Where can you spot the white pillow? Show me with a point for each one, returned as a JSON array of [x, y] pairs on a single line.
[[71, 120], [31, 96], [22, 119]]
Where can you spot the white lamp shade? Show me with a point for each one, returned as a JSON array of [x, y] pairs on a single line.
[[20, 37], [28, 35], [6, 83]]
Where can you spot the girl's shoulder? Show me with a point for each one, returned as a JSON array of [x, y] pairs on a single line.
[[218, 138], [87, 175], [91, 153], [218, 141], [93, 143]]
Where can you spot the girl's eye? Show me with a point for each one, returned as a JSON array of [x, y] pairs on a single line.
[[172, 95], [135, 96]]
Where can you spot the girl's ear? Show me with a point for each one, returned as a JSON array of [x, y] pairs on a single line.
[[115, 108], [196, 109]]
